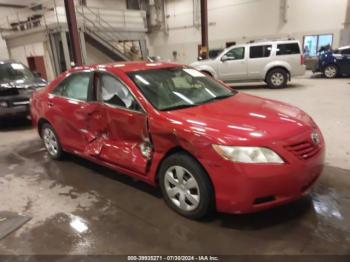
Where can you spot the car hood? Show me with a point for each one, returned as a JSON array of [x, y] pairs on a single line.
[[242, 118], [22, 83], [203, 62]]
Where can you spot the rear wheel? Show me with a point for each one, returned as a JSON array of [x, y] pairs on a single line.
[[51, 141], [277, 78], [330, 71], [185, 186]]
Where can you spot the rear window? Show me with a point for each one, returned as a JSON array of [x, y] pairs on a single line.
[[288, 49], [260, 51]]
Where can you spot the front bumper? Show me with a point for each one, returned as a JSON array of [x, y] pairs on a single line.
[[247, 188], [316, 69], [15, 105], [22, 110]]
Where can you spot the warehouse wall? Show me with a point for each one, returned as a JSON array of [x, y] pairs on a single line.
[[113, 4], [20, 54], [244, 20], [4, 11], [95, 56]]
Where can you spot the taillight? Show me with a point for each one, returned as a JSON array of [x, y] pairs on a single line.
[[302, 60]]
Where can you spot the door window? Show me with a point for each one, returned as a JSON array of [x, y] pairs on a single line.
[[114, 92], [235, 53], [75, 86], [260, 51]]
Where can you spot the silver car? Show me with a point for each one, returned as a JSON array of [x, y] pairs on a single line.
[[274, 62]]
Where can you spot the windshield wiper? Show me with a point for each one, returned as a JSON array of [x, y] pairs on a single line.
[[179, 107], [197, 104], [216, 98]]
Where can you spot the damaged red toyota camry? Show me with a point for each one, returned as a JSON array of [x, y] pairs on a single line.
[[207, 146]]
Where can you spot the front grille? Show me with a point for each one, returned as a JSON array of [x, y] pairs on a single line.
[[9, 92], [304, 150], [19, 102]]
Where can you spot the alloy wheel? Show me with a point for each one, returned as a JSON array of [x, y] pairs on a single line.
[[277, 79], [50, 142], [330, 71]]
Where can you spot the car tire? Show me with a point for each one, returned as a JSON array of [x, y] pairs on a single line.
[[277, 78], [330, 71], [186, 186], [51, 142]]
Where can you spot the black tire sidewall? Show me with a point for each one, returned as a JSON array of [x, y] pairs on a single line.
[[270, 74], [206, 192], [59, 147]]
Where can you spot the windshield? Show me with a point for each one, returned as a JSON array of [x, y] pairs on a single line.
[[14, 71], [174, 88]]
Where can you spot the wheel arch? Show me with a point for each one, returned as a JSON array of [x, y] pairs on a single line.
[[176, 150], [41, 122], [207, 72], [277, 67], [207, 69], [330, 64]]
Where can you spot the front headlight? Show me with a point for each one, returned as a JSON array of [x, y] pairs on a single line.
[[244, 154]]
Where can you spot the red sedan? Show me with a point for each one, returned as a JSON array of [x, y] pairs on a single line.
[[206, 145]]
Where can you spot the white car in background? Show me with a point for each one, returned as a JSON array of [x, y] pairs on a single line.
[[274, 62]]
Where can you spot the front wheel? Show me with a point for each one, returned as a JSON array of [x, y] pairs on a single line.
[[51, 141], [185, 186], [277, 78], [330, 71]]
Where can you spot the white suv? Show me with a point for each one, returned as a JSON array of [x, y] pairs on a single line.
[[274, 62]]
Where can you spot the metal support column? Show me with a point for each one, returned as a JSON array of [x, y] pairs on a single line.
[[204, 28], [83, 46], [65, 49], [73, 32]]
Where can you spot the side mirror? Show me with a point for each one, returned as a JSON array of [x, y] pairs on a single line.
[[227, 58]]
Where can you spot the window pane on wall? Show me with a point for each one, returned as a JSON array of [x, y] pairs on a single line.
[[324, 40], [310, 45]]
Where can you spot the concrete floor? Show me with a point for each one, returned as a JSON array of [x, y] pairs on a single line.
[[80, 208]]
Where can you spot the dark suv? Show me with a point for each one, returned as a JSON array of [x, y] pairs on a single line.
[[334, 63], [17, 83]]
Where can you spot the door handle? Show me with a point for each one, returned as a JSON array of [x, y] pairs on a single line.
[[50, 104]]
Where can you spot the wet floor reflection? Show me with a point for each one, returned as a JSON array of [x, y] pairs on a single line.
[[79, 208]]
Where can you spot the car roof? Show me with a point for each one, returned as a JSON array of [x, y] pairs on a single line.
[[137, 66], [7, 61], [273, 41], [344, 47], [258, 43]]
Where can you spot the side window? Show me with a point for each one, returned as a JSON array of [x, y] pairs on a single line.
[[260, 51], [236, 53], [114, 92], [288, 49], [75, 86]]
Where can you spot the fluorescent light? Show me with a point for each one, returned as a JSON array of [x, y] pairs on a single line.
[[78, 225]]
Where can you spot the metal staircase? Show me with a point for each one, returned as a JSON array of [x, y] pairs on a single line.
[[104, 36]]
